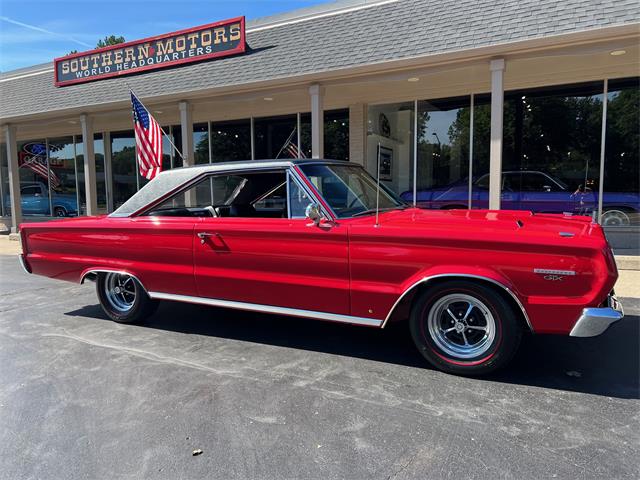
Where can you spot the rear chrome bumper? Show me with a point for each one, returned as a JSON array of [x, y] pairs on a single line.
[[23, 263], [595, 321]]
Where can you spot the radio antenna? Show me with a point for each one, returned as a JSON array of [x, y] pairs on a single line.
[[378, 189]]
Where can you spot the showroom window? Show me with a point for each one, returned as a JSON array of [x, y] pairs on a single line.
[[201, 143], [34, 174], [284, 136], [390, 130], [442, 171], [231, 140], [126, 178], [171, 158], [123, 166], [479, 155], [551, 149], [274, 136], [336, 134], [168, 155], [63, 177], [621, 184], [98, 149]]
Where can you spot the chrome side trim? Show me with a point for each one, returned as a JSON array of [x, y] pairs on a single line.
[[253, 307], [23, 263], [595, 321], [546, 271], [107, 270], [463, 275]]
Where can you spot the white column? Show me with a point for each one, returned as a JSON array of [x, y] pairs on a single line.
[[495, 151], [90, 184], [253, 140], [108, 170], [14, 177], [603, 140], [186, 124], [317, 121], [357, 133]]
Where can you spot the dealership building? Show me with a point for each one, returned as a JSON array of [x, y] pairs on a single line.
[[531, 105]]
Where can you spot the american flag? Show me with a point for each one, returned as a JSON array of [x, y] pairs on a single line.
[[148, 140], [291, 148], [38, 165]]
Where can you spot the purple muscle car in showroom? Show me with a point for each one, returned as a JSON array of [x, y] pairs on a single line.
[[536, 191]]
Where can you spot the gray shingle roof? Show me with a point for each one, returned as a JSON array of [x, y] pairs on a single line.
[[391, 31]]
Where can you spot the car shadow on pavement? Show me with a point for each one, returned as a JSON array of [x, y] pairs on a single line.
[[607, 365]]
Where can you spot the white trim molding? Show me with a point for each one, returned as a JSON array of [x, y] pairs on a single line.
[[253, 307]]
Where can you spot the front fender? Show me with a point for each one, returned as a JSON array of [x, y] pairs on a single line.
[[459, 271]]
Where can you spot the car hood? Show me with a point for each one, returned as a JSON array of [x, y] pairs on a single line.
[[492, 225]]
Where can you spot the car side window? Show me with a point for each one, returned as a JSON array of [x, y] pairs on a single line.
[[510, 182], [275, 200], [483, 182], [35, 190], [298, 199], [243, 195], [537, 182]]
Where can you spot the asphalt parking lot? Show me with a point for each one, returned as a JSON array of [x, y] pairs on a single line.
[[264, 396]]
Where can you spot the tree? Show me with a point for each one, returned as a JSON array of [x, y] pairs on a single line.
[[110, 40], [105, 42]]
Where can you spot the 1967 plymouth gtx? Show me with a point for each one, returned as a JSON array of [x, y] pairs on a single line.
[[303, 238]]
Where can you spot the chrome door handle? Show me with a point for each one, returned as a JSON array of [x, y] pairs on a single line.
[[204, 235]]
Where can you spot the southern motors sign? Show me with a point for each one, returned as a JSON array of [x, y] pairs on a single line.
[[218, 39]]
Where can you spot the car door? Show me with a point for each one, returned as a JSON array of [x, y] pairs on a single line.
[[33, 200], [509, 199], [510, 193], [540, 193], [285, 262]]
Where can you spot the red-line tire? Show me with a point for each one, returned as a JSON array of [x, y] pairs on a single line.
[[123, 298], [481, 342]]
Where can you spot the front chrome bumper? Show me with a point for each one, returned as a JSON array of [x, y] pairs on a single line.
[[595, 321], [24, 264]]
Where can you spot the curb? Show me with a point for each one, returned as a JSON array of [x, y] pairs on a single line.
[[627, 262]]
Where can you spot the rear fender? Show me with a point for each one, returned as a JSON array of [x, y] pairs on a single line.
[[92, 274]]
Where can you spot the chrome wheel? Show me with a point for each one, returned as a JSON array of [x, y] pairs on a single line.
[[615, 218], [120, 291], [461, 326]]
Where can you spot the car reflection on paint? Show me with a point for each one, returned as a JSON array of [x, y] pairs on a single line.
[[535, 191]]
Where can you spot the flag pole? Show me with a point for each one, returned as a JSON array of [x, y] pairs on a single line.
[[161, 129], [286, 143]]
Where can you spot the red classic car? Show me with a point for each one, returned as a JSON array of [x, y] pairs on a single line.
[[315, 239]]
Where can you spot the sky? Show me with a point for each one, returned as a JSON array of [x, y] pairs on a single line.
[[33, 32]]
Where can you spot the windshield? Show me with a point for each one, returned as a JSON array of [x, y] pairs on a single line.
[[349, 190]]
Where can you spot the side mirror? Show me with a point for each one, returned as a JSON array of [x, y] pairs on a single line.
[[547, 188], [312, 212]]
